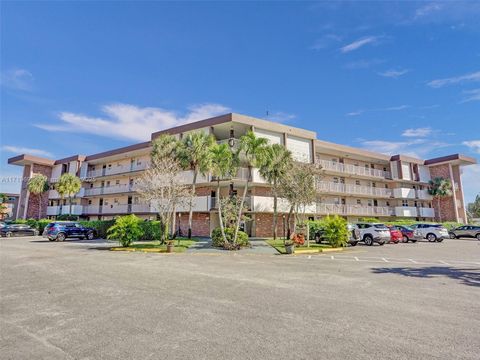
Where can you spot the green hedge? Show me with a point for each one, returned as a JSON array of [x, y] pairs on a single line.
[[100, 226], [217, 238]]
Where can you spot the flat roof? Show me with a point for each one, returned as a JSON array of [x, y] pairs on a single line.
[[26, 159], [459, 159], [118, 151]]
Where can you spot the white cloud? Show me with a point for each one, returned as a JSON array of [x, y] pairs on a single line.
[[363, 63], [427, 10], [280, 116], [470, 176], [474, 145], [392, 108], [25, 150], [395, 74], [475, 76], [472, 95], [419, 148], [131, 122], [325, 41], [418, 132], [357, 44], [17, 79]]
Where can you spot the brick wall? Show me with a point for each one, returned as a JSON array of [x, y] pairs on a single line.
[[264, 225], [34, 200], [200, 224], [445, 208]]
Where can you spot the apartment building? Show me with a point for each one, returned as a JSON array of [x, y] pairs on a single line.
[[354, 183], [9, 206]]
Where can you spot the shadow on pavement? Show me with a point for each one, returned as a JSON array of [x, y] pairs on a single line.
[[470, 277]]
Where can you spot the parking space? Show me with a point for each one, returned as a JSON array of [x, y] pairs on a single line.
[[70, 299]]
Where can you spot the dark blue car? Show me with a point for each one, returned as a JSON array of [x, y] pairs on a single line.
[[59, 231]]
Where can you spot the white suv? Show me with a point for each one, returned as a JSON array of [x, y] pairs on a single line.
[[431, 232], [373, 233]]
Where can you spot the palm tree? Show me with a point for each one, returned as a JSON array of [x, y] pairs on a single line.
[[38, 185], [165, 145], [440, 188], [254, 150], [223, 166], [277, 163], [68, 185], [194, 154]]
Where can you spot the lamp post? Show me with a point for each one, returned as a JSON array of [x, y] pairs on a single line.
[[179, 227], [283, 217]]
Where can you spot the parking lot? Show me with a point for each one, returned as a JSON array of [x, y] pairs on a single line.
[[76, 300]]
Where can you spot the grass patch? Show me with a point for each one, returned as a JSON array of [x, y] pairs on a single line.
[[155, 246], [279, 246]]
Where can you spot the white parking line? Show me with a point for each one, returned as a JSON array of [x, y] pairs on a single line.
[[413, 261], [385, 260], [356, 258], [443, 262]]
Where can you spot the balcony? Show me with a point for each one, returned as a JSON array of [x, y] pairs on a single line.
[[331, 187], [53, 194], [404, 193], [115, 189], [114, 170], [426, 212], [406, 211], [336, 167], [424, 195], [64, 210], [359, 210]]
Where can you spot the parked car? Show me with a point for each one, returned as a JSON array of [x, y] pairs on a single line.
[[17, 230], [431, 232], [395, 235], [59, 231], [465, 231], [353, 238], [407, 233], [371, 233]]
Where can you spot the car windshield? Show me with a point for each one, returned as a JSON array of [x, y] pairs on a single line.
[[380, 226]]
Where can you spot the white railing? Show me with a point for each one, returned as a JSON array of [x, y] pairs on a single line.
[[339, 209], [352, 169], [64, 210], [426, 212], [113, 170], [109, 189], [404, 193], [331, 187], [53, 194], [424, 195], [406, 211]]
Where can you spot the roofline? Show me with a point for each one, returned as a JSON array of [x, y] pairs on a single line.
[[26, 158], [143, 145], [70, 158], [194, 125], [401, 157], [462, 159], [357, 151]]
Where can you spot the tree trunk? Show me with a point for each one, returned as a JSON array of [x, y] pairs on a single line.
[[219, 205], [289, 230], [39, 206], [275, 212], [190, 210], [70, 203], [240, 209], [439, 210], [174, 220]]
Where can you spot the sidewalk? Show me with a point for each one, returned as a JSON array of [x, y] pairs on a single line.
[[258, 247]]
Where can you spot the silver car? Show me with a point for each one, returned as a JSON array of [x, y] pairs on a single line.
[[465, 231]]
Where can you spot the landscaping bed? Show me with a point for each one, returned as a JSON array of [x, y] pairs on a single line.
[[156, 247], [313, 248]]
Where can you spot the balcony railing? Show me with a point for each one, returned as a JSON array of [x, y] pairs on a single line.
[[331, 187], [115, 189], [64, 210], [117, 170], [326, 209], [353, 169]]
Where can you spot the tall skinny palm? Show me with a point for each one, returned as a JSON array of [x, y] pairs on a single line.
[[68, 185], [194, 154], [440, 188], [38, 185], [273, 170], [223, 167], [254, 150]]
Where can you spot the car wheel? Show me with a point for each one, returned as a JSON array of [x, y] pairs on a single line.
[[439, 239], [405, 238], [35, 233], [354, 243], [90, 235], [477, 236], [368, 239], [431, 237], [8, 234], [60, 237], [51, 239], [413, 240], [452, 236], [381, 243]]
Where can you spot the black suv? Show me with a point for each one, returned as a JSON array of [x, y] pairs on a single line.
[[59, 231]]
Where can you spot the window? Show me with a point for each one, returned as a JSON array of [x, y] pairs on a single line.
[[405, 203], [359, 202], [89, 202], [335, 180], [357, 182], [374, 184], [342, 180], [388, 203], [117, 182]]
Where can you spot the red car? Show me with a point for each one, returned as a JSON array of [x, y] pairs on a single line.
[[395, 235]]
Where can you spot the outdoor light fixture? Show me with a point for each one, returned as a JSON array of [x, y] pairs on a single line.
[[231, 140]]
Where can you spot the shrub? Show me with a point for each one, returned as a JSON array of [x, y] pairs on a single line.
[[126, 230], [369, 220], [100, 226], [313, 227], [151, 230], [298, 239], [217, 239], [335, 230]]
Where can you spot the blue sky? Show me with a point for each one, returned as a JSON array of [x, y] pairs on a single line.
[[392, 77]]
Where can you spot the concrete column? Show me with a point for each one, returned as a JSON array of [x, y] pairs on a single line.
[[452, 180]]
